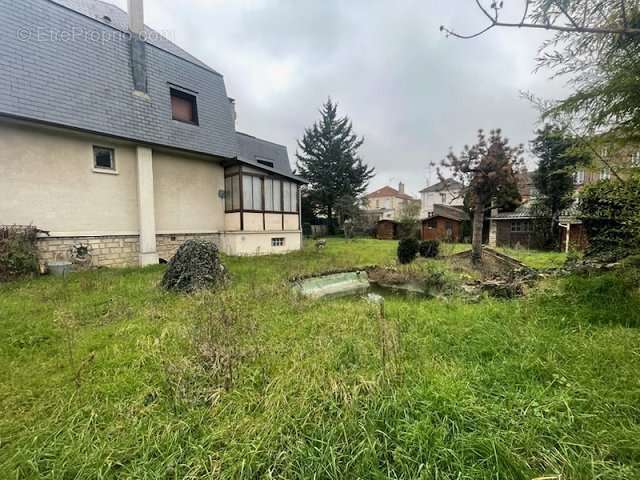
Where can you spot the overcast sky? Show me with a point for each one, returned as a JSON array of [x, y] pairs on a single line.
[[410, 91]]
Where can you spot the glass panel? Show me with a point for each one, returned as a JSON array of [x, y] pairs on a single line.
[[257, 193], [235, 186], [277, 196], [247, 192], [286, 186], [268, 194], [228, 194], [294, 197]]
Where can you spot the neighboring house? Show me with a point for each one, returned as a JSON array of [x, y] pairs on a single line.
[[517, 228], [444, 224], [113, 137], [387, 202], [445, 192]]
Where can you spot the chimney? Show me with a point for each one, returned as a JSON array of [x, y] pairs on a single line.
[[401, 187], [234, 115], [137, 46]]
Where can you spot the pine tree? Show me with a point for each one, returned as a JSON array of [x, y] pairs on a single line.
[[559, 158], [328, 159]]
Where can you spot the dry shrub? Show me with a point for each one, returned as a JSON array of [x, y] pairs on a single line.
[[196, 266], [18, 251]]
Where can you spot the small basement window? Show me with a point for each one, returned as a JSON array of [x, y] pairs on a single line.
[[184, 107], [104, 158], [277, 242]]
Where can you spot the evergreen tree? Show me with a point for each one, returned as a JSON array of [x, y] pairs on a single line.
[[328, 159], [558, 158]]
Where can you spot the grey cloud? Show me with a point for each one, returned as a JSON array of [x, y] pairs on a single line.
[[409, 90]]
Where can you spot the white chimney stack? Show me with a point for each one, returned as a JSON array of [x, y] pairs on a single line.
[[401, 187], [136, 16]]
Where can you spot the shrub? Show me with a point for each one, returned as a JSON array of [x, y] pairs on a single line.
[[195, 266], [609, 212], [408, 250], [18, 251], [429, 248]]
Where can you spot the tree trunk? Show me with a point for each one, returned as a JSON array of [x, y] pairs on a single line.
[[330, 227], [478, 224]]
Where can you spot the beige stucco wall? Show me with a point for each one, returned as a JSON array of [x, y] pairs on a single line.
[[291, 222], [47, 179], [273, 221], [186, 194], [253, 222], [257, 243], [232, 222]]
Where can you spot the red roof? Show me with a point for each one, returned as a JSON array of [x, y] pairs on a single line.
[[389, 192]]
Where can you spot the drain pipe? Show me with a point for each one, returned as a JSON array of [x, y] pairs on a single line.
[[567, 227]]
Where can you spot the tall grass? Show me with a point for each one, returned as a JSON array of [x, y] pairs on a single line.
[[545, 385]]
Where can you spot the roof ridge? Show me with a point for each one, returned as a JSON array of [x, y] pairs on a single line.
[[201, 64]]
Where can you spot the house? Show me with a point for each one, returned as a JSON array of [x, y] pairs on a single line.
[[519, 228], [387, 202], [113, 137], [444, 224], [445, 192]]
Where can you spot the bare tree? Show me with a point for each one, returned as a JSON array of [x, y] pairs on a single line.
[[604, 17]]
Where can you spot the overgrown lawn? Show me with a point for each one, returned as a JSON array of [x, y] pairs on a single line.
[[106, 376]]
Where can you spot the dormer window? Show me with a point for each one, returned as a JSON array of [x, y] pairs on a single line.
[[184, 107], [265, 162]]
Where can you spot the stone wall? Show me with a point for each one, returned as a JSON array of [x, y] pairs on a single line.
[[113, 251]]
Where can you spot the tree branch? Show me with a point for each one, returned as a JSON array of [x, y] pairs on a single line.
[[566, 14]]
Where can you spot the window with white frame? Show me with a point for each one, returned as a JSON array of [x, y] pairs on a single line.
[[104, 159], [635, 160], [579, 177], [277, 242], [443, 198]]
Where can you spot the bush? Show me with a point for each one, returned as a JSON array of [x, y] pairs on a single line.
[[408, 250], [195, 266], [609, 212], [429, 248], [18, 252]]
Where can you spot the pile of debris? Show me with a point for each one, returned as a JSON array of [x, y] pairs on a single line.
[[195, 266]]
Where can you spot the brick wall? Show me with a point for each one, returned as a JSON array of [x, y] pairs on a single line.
[[113, 251]]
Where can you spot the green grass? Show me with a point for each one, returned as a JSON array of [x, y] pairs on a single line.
[[535, 258], [99, 379]]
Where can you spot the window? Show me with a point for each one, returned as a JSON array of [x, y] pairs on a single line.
[[579, 177], [286, 194], [252, 190], [635, 160], [184, 107], [277, 242], [605, 174], [520, 226], [265, 162], [104, 158], [272, 195], [232, 193], [443, 198]]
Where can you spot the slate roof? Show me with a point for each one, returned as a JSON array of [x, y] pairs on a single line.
[[523, 212], [389, 192], [447, 184], [60, 65], [449, 212], [253, 151]]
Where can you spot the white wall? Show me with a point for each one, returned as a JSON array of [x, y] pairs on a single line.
[[429, 199], [47, 179]]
